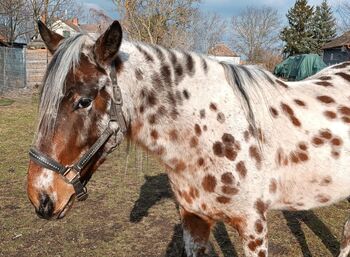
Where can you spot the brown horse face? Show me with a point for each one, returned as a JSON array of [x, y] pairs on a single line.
[[69, 124]]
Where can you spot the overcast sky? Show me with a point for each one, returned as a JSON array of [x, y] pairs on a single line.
[[226, 8]]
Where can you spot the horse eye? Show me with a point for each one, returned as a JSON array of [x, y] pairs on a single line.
[[84, 102]]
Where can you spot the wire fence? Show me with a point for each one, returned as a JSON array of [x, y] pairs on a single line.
[[12, 69]]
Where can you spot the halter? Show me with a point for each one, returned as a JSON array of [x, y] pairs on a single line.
[[116, 115]]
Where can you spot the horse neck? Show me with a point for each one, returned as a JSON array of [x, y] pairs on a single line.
[[159, 86]]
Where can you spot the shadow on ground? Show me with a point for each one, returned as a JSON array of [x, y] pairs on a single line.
[[294, 221], [157, 188]]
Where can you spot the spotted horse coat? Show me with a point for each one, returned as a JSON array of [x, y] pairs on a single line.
[[235, 140]]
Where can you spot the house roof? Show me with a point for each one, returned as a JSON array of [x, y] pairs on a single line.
[[72, 25], [343, 40], [222, 50]]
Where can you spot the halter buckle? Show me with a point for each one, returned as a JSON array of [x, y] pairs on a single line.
[[68, 170]]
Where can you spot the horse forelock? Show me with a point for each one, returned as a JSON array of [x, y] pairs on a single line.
[[65, 59]]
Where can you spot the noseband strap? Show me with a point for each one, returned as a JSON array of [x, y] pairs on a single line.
[[116, 115]]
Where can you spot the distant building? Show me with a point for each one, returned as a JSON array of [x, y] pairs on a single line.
[[337, 50], [222, 52], [66, 28]]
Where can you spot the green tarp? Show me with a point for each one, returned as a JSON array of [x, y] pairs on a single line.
[[299, 67]]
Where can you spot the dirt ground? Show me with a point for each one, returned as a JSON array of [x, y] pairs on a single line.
[[130, 211]]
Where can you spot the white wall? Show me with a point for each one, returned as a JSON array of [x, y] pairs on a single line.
[[230, 60]]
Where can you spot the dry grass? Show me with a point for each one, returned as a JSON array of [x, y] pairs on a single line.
[[130, 212]]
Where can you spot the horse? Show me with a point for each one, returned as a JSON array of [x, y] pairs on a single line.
[[235, 140]]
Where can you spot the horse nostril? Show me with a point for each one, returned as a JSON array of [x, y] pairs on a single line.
[[45, 209]]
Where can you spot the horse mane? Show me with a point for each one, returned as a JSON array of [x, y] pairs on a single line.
[[52, 92], [248, 83]]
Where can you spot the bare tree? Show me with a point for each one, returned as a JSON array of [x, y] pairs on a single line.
[[157, 21], [99, 17], [13, 19], [255, 31], [51, 10], [207, 30], [344, 14]]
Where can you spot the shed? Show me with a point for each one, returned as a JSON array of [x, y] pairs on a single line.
[[337, 50]]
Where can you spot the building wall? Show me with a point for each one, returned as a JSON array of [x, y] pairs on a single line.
[[336, 55], [230, 60], [37, 61], [61, 28]]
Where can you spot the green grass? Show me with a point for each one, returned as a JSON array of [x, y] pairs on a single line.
[[102, 226], [6, 101]]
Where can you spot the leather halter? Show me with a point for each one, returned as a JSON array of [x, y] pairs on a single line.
[[115, 115]]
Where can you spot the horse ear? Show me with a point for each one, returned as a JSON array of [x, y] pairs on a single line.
[[50, 38], [107, 45]]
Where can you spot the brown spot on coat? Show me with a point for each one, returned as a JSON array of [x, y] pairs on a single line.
[[186, 94], [221, 117], [254, 153], [209, 183], [193, 142], [325, 99], [180, 166], [173, 135], [154, 134], [197, 129], [343, 75], [326, 134], [230, 153], [227, 178], [241, 169], [344, 110], [259, 226], [262, 253], [218, 149], [330, 115], [273, 186], [326, 181], [261, 207], [274, 112], [302, 156], [324, 83], [202, 114], [341, 66], [223, 199], [322, 198], [317, 141], [336, 141], [228, 139], [346, 119], [200, 161], [299, 102], [229, 190], [152, 119], [302, 146], [290, 113], [213, 107]]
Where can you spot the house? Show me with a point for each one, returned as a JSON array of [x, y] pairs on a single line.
[[222, 52], [337, 50], [66, 28]]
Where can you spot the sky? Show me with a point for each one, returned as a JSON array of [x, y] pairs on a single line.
[[225, 8]]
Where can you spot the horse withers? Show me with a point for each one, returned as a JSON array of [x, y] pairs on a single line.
[[235, 140]]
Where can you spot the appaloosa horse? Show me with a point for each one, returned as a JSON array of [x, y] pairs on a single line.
[[235, 140]]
